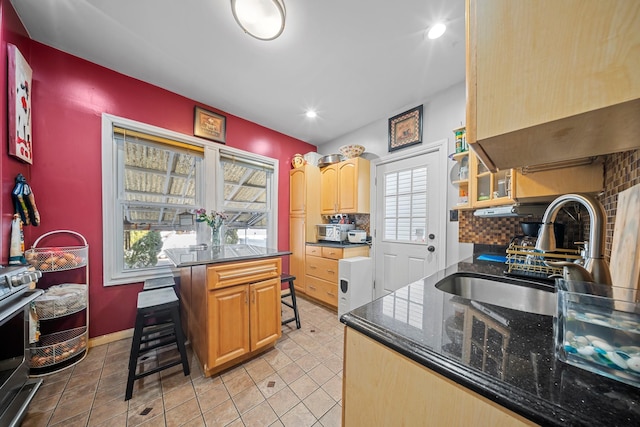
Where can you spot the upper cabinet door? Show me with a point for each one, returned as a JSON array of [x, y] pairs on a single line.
[[329, 190], [348, 187], [552, 80], [297, 192]]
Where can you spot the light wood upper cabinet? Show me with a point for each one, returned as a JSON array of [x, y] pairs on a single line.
[[329, 189], [521, 185], [550, 81], [345, 187], [297, 191]]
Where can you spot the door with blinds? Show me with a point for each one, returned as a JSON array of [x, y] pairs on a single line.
[[410, 221]]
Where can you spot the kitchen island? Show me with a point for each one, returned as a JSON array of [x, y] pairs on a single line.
[[422, 356], [229, 302]]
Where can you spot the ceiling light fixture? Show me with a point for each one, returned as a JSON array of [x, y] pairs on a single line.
[[262, 19], [311, 114], [436, 30]]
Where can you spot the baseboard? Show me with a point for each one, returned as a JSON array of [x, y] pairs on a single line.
[[109, 338]]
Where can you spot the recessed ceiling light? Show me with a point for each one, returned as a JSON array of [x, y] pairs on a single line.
[[311, 114], [436, 30]]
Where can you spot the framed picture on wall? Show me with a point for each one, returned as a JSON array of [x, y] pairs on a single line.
[[20, 95], [405, 129], [210, 125]]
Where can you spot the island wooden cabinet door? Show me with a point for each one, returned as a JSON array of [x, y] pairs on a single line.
[[243, 319], [265, 314], [228, 324]]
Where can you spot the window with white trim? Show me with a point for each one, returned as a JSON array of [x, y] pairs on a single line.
[[154, 180]]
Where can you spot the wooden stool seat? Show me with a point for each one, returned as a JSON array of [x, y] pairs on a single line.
[[159, 282], [286, 282], [157, 325]]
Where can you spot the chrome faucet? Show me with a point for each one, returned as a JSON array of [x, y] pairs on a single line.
[[595, 267]]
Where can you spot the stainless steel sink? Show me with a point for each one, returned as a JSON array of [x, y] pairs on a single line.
[[501, 291]]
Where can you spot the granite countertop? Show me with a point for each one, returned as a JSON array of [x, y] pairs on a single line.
[[338, 244], [185, 257], [426, 325]]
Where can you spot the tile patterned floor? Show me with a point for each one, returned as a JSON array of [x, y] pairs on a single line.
[[298, 383]]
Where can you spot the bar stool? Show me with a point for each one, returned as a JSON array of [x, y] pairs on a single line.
[[286, 282], [159, 282], [157, 325]]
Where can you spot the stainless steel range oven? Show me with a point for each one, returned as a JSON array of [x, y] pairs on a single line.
[[16, 389]]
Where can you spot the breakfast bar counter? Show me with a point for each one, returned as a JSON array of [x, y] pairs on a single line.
[[185, 257], [421, 350]]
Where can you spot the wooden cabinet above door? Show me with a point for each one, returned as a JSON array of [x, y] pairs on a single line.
[[550, 81]]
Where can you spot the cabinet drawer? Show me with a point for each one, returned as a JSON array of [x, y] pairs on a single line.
[[237, 273], [322, 268], [333, 253], [313, 250], [322, 290]]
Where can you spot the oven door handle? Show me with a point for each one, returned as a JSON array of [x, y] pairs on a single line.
[[18, 304]]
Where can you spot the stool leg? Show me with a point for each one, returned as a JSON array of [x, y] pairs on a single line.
[[133, 356], [294, 303], [180, 340]]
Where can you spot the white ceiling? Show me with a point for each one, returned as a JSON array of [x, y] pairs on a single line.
[[354, 61]]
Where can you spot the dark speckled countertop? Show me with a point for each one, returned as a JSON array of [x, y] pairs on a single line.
[[337, 244], [185, 257], [426, 325]]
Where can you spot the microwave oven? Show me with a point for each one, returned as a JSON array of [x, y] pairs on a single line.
[[334, 232]]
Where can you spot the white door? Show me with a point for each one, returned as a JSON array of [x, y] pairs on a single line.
[[410, 200]]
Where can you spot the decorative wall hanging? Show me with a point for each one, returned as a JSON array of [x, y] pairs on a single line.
[[20, 93], [210, 125], [405, 129]]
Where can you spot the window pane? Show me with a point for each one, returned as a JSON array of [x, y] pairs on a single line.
[[406, 205], [247, 188], [158, 189]]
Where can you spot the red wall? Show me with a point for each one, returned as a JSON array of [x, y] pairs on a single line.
[[69, 97], [11, 31]]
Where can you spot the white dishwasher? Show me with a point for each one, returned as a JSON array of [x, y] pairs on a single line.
[[355, 283]]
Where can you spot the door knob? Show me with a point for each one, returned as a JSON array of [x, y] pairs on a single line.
[[431, 248]]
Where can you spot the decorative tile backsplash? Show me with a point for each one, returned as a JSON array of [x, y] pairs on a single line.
[[621, 171]]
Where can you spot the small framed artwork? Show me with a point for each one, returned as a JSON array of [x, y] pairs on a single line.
[[210, 125], [405, 129], [20, 95]]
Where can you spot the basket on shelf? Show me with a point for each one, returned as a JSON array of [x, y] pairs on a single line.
[[61, 300], [525, 261], [58, 347], [58, 258]]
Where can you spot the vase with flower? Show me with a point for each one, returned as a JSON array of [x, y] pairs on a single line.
[[215, 221]]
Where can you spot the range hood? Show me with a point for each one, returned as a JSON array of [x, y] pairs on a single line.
[[516, 210]]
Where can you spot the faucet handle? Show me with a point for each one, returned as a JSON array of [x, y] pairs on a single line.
[[584, 249]]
